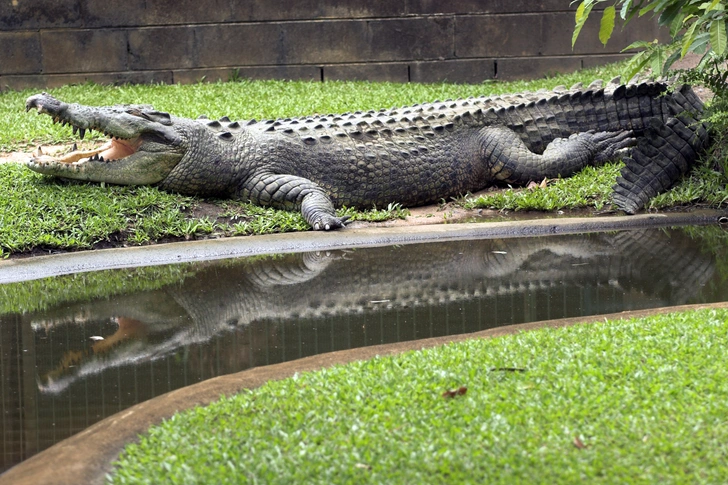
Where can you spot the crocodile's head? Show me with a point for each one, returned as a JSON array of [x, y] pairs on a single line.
[[144, 144]]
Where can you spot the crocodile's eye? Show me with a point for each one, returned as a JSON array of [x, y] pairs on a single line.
[[157, 116], [156, 138], [151, 115]]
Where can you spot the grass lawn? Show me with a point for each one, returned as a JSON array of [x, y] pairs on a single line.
[[39, 213], [638, 401]]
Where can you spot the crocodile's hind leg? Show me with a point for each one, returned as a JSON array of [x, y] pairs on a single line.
[[509, 160], [294, 193], [665, 153]]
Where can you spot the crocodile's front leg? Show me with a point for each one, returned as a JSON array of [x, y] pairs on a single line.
[[291, 192]]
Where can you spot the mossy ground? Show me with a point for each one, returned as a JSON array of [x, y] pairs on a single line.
[[638, 401]]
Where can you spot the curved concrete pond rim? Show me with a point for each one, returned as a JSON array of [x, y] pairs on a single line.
[[14, 270], [87, 456]]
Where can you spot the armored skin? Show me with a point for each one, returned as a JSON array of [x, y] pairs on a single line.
[[413, 155]]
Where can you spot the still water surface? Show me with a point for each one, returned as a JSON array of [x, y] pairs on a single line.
[[78, 348]]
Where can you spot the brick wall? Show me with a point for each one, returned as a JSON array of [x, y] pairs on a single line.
[[54, 42]]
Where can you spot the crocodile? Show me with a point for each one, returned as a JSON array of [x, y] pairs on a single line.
[[415, 155]]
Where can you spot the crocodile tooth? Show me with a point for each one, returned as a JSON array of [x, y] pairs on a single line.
[[39, 152], [101, 159], [81, 133], [75, 130], [74, 147]]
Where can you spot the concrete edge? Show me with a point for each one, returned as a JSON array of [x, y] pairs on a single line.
[[87, 456], [15, 270]]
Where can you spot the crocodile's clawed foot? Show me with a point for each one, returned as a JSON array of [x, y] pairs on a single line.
[[611, 144], [327, 223]]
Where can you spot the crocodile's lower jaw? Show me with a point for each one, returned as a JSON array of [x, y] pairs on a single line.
[[115, 149]]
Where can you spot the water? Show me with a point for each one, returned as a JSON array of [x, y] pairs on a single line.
[[78, 348]]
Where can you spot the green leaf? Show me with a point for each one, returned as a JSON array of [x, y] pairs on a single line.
[[657, 61], [718, 39], [625, 8], [674, 56], [606, 27], [715, 5], [582, 13], [638, 44], [676, 25], [648, 8], [688, 39], [701, 43], [636, 64]]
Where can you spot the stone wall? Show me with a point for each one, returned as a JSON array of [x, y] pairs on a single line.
[[54, 42]]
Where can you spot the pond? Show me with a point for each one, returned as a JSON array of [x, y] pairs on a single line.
[[75, 349]]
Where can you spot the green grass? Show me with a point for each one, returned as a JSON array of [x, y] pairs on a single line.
[[42, 214], [638, 401], [591, 187]]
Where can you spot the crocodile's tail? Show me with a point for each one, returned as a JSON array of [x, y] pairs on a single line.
[[665, 152]]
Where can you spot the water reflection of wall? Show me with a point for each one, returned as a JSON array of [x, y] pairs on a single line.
[[227, 316]]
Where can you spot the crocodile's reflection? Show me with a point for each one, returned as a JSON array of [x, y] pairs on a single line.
[[653, 268]]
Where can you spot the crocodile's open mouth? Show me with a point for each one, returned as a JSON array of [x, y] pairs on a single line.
[[113, 150]]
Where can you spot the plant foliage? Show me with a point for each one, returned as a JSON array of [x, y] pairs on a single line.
[[696, 26]]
